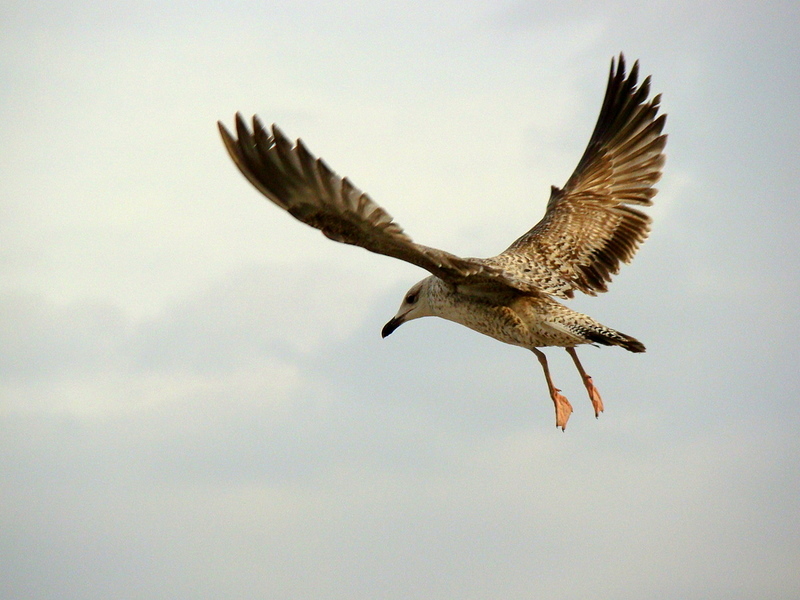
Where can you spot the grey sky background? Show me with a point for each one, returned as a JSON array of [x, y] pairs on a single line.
[[195, 401]]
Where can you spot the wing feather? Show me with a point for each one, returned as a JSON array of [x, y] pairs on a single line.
[[590, 227], [290, 176]]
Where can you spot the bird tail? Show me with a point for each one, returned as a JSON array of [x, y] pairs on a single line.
[[612, 337]]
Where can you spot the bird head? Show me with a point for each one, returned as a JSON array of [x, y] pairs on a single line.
[[415, 305]]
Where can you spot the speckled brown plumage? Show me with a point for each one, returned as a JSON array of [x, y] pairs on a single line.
[[590, 227]]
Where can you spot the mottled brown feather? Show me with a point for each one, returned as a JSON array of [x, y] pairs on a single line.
[[588, 229], [310, 191]]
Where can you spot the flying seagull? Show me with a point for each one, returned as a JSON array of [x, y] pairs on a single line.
[[589, 227]]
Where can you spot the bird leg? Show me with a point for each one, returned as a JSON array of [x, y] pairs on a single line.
[[563, 407], [594, 395]]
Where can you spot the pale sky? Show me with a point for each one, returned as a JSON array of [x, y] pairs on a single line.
[[195, 400]]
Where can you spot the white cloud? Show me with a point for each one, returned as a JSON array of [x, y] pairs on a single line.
[[195, 399]]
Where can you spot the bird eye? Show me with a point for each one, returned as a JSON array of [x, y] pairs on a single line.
[[411, 298]]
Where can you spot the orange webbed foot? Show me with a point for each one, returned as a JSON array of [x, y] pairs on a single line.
[[594, 396], [563, 409]]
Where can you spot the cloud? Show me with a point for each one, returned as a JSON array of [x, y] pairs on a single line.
[[194, 396]]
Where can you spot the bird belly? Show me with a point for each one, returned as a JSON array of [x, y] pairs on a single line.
[[523, 321]]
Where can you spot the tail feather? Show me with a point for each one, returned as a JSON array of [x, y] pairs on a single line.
[[612, 337]]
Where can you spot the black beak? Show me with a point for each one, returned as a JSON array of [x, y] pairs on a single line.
[[391, 326]]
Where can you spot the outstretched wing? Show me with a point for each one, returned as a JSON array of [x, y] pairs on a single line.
[[589, 226], [305, 187]]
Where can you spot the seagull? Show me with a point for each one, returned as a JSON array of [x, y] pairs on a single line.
[[589, 227]]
